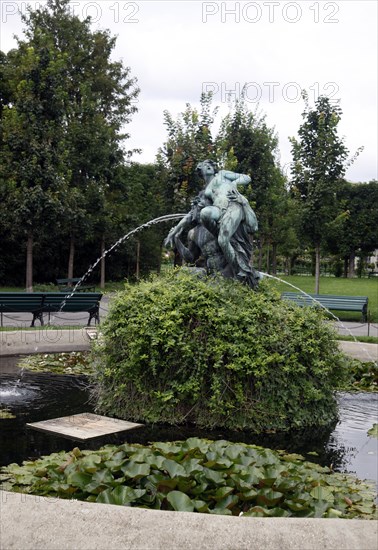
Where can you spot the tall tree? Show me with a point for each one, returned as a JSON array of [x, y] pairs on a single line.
[[355, 232], [189, 142], [318, 168], [33, 152], [81, 96], [135, 198], [246, 144]]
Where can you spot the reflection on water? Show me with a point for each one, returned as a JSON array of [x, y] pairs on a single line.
[[346, 446], [35, 397], [358, 413]]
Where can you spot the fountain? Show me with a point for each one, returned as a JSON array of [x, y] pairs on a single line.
[[229, 257], [176, 323], [160, 219]]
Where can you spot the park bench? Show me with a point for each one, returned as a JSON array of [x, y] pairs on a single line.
[[330, 301], [39, 303], [66, 285]]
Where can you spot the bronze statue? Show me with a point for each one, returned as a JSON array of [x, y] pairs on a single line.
[[220, 225]]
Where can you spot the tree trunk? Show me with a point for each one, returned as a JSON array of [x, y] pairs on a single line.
[[317, 268], [260, 245], [102, 263], [351, 271], [137, 260], [159, 262], [268, 259], [29, 262], [345, 271], [274, 259], [71, 258]]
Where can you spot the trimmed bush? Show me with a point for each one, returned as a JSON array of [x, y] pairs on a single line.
[[180, 349]]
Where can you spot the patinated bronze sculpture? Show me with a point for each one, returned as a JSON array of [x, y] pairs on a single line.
[[220, 225]]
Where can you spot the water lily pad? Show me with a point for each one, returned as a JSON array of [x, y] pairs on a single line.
[[322, 493], [180, 501], [5, 414], [120, 495], [373, 432], [268, 497], [173, 468], [135, 470], [183, 481], [90, 463]]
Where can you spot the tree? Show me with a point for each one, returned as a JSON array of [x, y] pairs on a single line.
[[247, 145], [318, 168], [33, 152], [135, 198], [71, 100], [355, 231], [189, 142]]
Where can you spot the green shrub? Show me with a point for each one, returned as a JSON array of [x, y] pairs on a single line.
[[214, 353]]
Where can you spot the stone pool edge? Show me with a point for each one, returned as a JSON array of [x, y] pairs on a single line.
[[31, 522], [49, 340]]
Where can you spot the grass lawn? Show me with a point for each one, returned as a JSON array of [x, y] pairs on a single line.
[[340, 287], [328, 285]]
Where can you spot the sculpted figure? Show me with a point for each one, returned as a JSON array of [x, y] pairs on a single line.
[[222, 212], [202, 247]]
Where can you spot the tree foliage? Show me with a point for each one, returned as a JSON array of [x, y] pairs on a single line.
[[189, 142], [319, 164], [250, 146], [63, 109], [355, 232]]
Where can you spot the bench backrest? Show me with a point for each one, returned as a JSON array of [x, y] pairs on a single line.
[[17, 301], [331, 301], [78, 301], [67, 281], [48, 301]]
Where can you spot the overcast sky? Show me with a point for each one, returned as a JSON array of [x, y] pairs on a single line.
[[177, 49]]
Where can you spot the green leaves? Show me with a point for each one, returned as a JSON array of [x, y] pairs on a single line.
[[319, 164], [122, 495], [73, 363], [238, 359], [175, 476], [134, 470], [373, 432], [180, 501]]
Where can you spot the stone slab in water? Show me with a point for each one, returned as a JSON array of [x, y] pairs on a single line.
[[83, 426]]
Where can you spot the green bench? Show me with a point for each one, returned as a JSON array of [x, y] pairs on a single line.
[[39, 303], [65, 285], [331, 302]]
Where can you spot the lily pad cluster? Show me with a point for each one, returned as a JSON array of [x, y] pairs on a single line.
[[6, 414], [363, 376], [373, 432], [196, 475], [72, 363]]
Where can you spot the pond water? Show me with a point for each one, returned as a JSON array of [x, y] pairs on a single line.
[[38, 396]]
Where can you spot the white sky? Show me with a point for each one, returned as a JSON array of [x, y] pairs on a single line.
[[177, 49]]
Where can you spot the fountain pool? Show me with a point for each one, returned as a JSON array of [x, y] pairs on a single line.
[[346, 446]]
